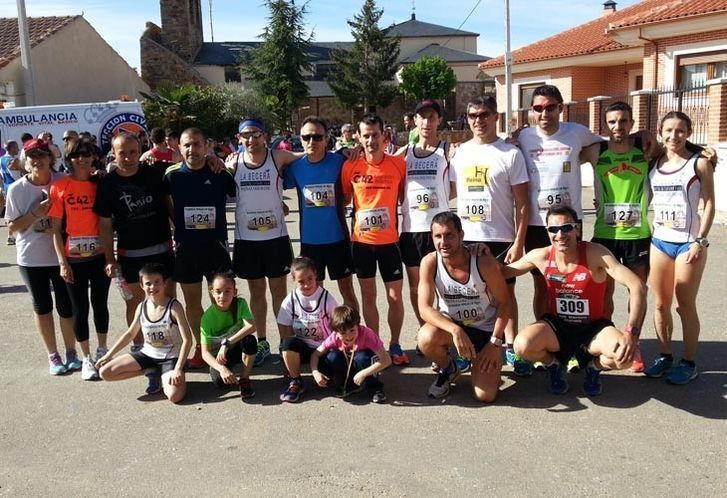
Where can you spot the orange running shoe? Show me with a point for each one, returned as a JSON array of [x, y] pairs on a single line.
[[638, 365], [398, 357], [196, 362]]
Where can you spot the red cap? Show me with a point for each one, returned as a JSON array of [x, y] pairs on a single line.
[[36, 144]]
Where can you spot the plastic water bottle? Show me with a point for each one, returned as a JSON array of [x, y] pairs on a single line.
[[123, 286]]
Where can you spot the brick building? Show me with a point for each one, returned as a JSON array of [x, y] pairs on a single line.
[[176, 52]]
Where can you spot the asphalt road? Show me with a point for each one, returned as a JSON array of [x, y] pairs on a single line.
[[65, 437]]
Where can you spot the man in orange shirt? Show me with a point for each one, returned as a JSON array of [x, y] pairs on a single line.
[[375, 183]]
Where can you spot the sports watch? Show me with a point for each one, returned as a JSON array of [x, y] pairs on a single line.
[[702, 241]]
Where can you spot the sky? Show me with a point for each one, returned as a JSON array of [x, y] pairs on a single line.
[[243, 20]]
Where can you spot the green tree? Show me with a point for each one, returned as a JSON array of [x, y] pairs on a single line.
[[278, 63], [363, 75], [428, 78]]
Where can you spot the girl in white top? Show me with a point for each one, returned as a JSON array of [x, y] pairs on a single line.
[[679, 246], [167, 338], [303, 321]]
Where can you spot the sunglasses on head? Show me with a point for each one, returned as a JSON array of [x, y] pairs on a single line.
[[251, 134], [481, 115], [316, 137], [565, 228], [546, 108]]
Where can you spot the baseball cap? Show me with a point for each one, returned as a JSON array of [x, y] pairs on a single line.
[[428, 104], [36, 144]]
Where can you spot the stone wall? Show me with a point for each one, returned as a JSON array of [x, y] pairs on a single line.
[[159, 64], [182, 27]]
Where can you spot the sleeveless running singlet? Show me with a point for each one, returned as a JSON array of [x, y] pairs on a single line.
[[574, 297], [259, 207], [165, 156], [162, 340], [426, 190], [470, 303], [675, 201], [623, 205], [308, 324]]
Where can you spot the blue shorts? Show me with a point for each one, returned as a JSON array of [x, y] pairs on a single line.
[[671, 249]]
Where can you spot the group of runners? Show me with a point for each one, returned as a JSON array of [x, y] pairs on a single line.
[[518, 210]]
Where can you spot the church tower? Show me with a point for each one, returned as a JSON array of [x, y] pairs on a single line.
[[182, 27]]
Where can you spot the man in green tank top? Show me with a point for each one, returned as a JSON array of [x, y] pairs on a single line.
[[620, 176]]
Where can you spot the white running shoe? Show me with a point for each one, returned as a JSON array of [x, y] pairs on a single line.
[[88, 370]]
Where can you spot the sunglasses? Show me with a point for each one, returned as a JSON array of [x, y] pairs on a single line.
[[565, 228], [316, 137], [546, 108], [251, 134], [481, 115], [77, 155]]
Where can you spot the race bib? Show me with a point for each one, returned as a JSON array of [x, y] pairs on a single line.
[[309, 329], [156, 338], [467, 315], [572, 307], [622, 215], [423, 199], [475, 210], [199, 217], [261, 221], [548, 198], [670, 215], [319, 195], [373, 220], [83, 247], [42, 225]]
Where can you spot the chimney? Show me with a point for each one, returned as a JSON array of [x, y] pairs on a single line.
[[413, 16], [609, 7]]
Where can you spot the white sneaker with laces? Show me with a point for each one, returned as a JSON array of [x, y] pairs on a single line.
[[88, 370]]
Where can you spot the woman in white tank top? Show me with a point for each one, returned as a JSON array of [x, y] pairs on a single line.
[[678, 180]]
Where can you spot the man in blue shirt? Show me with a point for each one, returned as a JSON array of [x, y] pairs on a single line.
[[323, 233]]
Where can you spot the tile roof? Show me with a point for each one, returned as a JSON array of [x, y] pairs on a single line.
[[414, 29], [590, 38], [39, 29], [231, 53], [446, 53]]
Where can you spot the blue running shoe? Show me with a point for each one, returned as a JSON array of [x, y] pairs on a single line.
[[592, 383], [681, 374], [661, 365], [73, 364], [295, 389], [558, 384], [155, 382], [263, 353], [55, 365], [463, 364], [520, 367], [398, 356]]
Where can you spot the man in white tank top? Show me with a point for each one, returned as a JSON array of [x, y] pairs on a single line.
[[262, 245], [426, 192], [471, 310]]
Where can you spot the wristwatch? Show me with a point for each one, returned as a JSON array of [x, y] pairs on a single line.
[[702, 241], [225, 342], [634, 331], [497, 342]]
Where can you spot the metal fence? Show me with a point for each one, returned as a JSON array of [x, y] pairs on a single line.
[[693, 101]]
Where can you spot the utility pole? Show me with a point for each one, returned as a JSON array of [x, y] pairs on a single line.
[[28, 84], [508, 71], [212, 29]]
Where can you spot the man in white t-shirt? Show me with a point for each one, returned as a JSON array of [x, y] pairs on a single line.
[[552, 153], [491, 181]]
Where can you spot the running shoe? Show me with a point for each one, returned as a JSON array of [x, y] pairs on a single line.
[[379, 396], [573, 365], [592, 383], [263, 352], [398, 357], [11, 241], [682, 373], [558, 384], [638, 365], [661, 366], [463, 364], [154, 384], [539, 366], [295, 389], [520, 367], [246, 390], [73, 364], [55, 365], [88, 371], [196, 362], [101, 351], [446, 376]]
